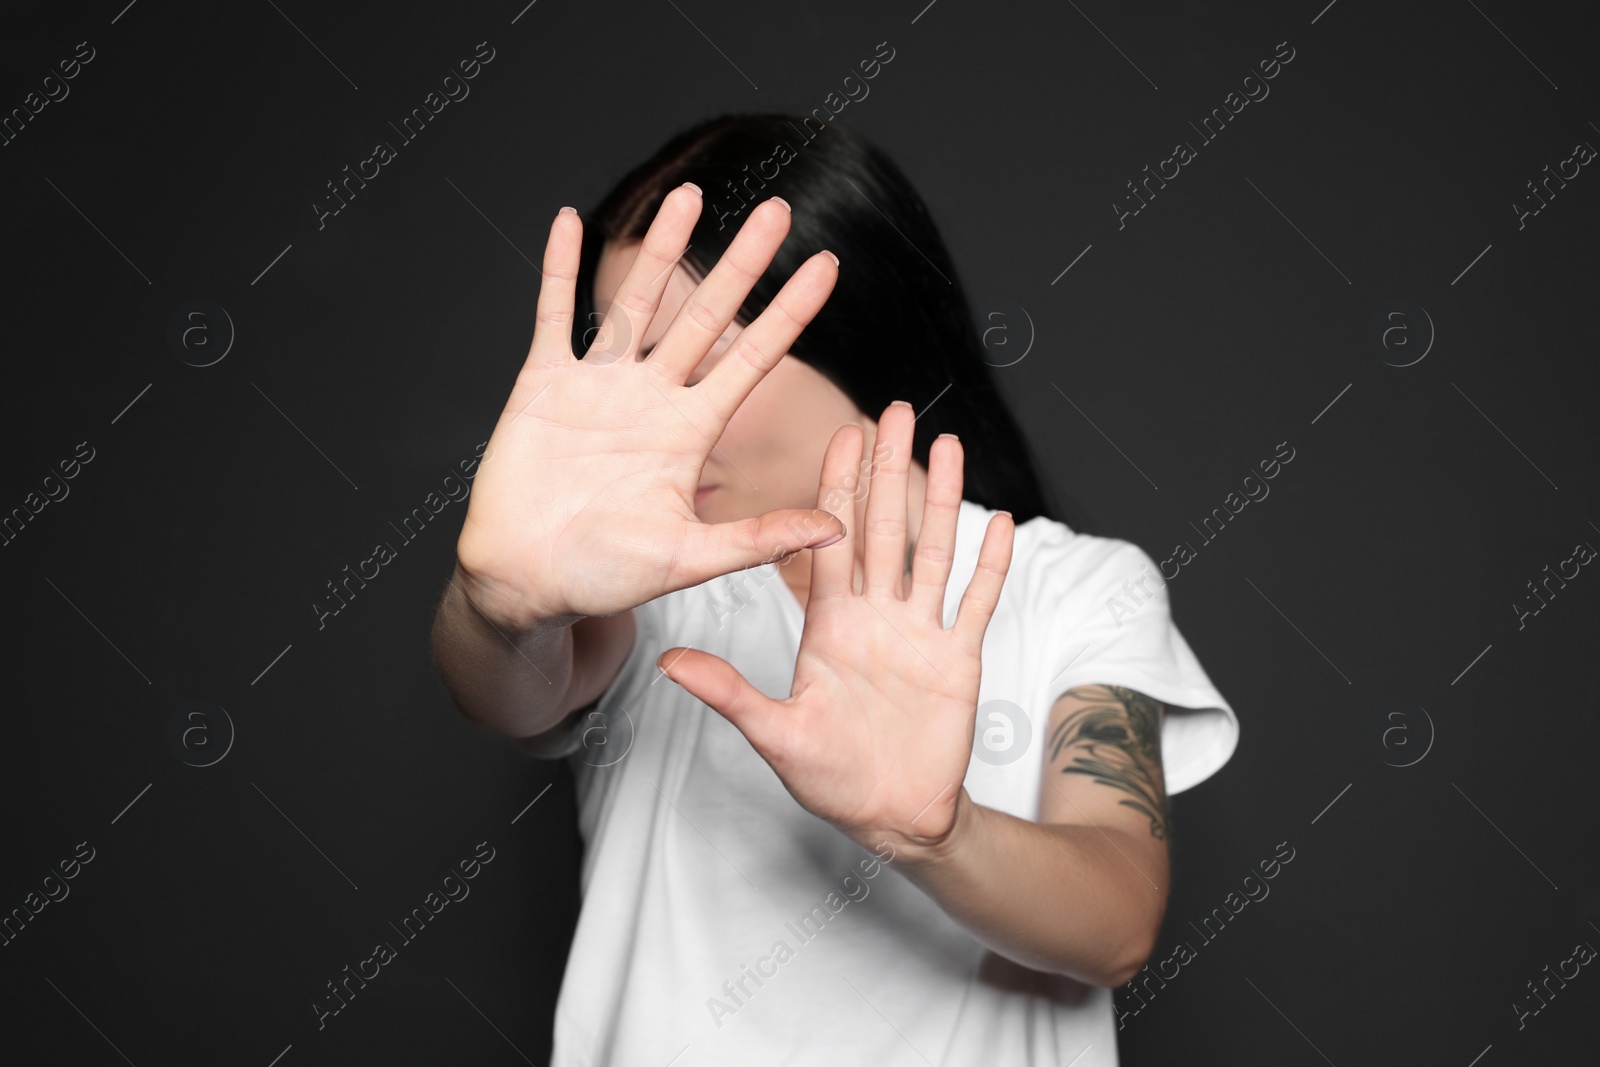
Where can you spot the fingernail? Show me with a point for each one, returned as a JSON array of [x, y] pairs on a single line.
[[824, 544], [831, 256], [952, 436], [785, 204], [693, 188], [902, 403], [568, 211]]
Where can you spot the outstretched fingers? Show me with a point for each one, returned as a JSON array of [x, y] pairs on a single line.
[[983, 591], [718, 684], [705, 315], [936, 539], [884, 528], [552, 318], [711, 549], [833, 568], [622, 330], [759, 346]]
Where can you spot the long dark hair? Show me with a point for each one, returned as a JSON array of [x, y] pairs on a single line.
[[896, 326]]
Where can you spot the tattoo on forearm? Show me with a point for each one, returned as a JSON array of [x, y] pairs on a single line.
[[1115, 738]]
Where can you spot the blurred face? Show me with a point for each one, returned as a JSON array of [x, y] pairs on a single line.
[[770, 454]]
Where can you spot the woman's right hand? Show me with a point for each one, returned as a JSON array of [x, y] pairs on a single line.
[[583, 504]]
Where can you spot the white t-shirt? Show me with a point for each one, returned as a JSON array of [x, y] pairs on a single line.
[[722, 923]]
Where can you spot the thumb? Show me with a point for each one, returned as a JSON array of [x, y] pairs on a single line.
[[719, 684], [714, 549]]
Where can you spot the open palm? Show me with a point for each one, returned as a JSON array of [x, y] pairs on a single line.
[[876, 734], [584, 502]]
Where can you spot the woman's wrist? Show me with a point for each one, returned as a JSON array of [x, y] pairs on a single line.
[[918, 851], [508, 611]]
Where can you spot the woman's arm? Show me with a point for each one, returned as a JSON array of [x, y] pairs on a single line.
[[524, 680], [583, 506], [1083, 891], [877, 732]]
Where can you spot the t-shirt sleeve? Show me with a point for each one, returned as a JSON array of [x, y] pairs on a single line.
[[1108, 620]]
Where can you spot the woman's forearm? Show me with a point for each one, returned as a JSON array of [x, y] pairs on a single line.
[[511, 680], [1057, 897]]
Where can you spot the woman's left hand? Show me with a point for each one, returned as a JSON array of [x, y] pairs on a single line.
[[877, 732]]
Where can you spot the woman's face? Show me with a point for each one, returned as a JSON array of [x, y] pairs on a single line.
[[770, 454]]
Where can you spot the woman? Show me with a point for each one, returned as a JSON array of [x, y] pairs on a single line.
[[752, 616]]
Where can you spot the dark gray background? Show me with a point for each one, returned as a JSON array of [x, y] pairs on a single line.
[[1379, 576]]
